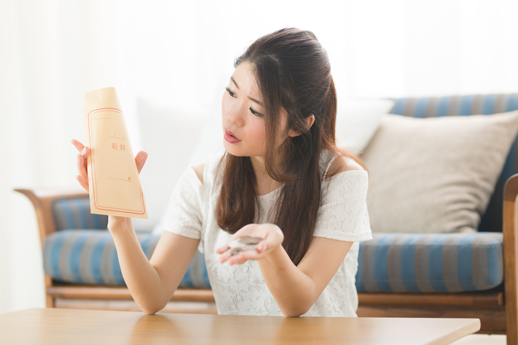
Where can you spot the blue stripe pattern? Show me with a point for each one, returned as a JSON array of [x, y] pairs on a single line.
[[96, 260], [443, 106], [494, 258], [89, 257], [381, 254], [74, 213], [464, 262], [435, 263], [408, 269], [477, 255], [466, 105], [489, 104], [73, 255], [512, 102], [470, 105]]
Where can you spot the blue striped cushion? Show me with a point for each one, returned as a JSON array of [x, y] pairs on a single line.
[[75, 213], [430, 262], [388, 263], [470, 105], [89, 257]]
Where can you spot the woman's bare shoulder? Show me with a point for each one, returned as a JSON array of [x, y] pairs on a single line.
[[341, 164], [198, 169]]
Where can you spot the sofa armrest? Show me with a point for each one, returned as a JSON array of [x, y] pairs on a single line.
[[510, 226], [42, 200]]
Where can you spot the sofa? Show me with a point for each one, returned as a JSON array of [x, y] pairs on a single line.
[[400, 274]]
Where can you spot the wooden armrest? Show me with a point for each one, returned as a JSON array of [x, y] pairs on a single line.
[[510, 249], [42, 199], [52, 193]]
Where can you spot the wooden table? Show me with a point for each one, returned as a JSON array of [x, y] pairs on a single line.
[[75, 326]]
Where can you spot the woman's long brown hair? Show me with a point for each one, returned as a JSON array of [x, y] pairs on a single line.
[[293, 73]]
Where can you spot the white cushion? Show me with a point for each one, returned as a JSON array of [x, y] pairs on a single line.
[[210, 142], [435, 175], [170, 137], [357, 120], [211, 137]]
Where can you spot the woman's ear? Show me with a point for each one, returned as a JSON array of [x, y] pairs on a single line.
[[310, 120]]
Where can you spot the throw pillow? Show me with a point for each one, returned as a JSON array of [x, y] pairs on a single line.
[[435, 175], [357, 120], [170, 136]]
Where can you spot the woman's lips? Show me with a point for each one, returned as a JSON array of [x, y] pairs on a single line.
[[229, 136]]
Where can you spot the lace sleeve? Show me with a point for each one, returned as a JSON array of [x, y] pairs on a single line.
[[184, 214], [343, 214]]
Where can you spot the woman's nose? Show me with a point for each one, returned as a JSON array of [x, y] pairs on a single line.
[[236, 114]]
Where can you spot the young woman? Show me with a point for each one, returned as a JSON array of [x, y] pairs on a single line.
[[281, 178]]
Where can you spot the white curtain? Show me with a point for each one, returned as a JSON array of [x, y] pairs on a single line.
[[181, 53], [51, 53]]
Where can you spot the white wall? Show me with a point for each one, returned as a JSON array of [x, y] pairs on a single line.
[[180, 54]]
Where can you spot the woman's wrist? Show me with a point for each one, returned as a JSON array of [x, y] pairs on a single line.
[[119, 225], [277, 257], [274, 255]]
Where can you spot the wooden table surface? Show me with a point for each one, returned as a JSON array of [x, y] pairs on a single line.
[[75, 326]]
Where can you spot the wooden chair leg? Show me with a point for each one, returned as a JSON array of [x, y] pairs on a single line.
[[50, 302], [49, 299]]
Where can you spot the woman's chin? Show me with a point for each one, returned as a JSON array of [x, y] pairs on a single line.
[[234, 152], [232, 149]]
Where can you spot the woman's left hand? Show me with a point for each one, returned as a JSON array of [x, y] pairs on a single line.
[[272, 238]]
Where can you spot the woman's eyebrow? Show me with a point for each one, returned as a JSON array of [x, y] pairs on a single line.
[[256, 101], [253, 99], [234, 82]]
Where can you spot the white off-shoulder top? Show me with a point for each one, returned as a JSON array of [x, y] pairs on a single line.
[[240, 289]]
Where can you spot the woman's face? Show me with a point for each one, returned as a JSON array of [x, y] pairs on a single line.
[[243, 121]]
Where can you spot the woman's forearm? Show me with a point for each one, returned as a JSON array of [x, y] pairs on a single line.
[[140, 276], [292, 289]]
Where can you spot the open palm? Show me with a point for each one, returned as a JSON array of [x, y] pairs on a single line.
[[272, 238]]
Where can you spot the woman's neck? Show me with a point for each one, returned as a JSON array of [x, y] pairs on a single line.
[[264, 183]]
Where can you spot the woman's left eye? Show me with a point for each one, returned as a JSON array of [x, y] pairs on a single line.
[[230, 92], [255, 112]]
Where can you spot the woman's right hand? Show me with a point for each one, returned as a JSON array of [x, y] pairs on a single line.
[[82, 178], [84, 152]]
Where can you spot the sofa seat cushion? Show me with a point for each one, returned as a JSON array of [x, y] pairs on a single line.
[[430, 262], [388, 263], [89, 257]]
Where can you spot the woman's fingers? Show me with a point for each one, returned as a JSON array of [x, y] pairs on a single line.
[[81, 167], [264, 244], [140, 160], [220, 250], [83, 150], [224, 257], [82, 182], [244, 256], [77, 144]]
